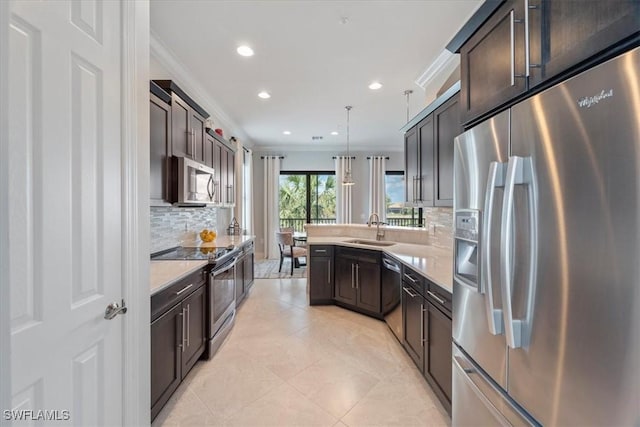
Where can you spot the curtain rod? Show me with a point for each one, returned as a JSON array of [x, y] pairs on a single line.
[[343, 157], [272, 157], [386, 157]]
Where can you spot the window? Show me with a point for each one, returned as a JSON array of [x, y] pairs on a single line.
[[307, 197], [397, 213]]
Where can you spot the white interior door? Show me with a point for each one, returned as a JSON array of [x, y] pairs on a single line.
[[64, 209]]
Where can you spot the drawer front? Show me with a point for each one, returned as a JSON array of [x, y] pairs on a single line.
[[321, 250], [415, 279], [176, 292], [439, 297]]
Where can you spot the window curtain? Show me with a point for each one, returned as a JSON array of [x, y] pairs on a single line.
[[247, 213], [271, 206], [343, 192], [377, 188]]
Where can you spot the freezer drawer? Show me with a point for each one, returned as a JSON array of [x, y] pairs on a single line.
[[479, 402]]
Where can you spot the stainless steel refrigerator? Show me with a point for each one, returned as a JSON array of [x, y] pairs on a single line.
[[546, 294]]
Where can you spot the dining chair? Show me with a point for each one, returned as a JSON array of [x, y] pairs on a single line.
[[287, 250]]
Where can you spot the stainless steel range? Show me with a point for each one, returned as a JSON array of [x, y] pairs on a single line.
[[221, 288]]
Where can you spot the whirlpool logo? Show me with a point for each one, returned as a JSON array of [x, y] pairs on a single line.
[[588, 101]]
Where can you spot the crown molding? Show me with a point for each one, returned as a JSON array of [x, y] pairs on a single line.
[[191, 85], [334, 148], [443, 62]]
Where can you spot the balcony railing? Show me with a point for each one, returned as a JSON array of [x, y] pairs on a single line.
[[298, 223]]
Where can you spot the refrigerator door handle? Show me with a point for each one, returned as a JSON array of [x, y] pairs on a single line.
[[519, 172], [514, 176], [494, 315]]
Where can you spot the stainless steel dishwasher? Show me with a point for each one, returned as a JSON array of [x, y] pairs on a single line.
[[391, 295]]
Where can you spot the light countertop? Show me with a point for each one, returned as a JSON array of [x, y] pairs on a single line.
[[163, 273], [436, 264]]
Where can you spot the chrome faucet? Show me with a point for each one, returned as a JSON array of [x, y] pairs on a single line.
[[379, 233]]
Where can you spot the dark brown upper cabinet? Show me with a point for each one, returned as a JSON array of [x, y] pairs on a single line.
[[411, 165], [160, 149], [522, 46], [429, 153], [564, 33], [447, 126], [492, 61], [187, 130]]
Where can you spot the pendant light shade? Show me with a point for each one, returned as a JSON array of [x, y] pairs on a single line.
[[347, 178]]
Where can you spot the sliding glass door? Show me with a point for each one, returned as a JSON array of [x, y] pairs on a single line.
[[307, 197]]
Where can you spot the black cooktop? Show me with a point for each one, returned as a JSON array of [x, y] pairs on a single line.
[[182, 253]]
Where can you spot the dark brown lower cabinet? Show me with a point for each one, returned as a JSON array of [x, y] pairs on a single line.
[[193, 312], [166, 357], [321, 269], [178, 337], [413, 306], [345, 289], [437, 361], [357, 279]]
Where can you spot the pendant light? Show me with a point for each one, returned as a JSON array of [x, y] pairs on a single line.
[[347, 179]]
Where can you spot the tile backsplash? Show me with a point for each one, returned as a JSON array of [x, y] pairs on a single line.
[[170, 226], [442, 219]]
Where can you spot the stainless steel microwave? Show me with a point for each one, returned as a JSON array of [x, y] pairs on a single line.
[[196, 182]]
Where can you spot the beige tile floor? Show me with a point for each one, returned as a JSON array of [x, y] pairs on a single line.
[[289, 364]]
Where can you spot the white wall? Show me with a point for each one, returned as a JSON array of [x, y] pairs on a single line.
[[319, 161]]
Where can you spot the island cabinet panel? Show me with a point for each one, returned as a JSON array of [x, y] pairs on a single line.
[[345, 289], [368, 284], [357, 279], [321, 273]]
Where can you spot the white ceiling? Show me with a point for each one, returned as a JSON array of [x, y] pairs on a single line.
[[311, 63]]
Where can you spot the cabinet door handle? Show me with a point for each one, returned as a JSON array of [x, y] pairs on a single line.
[[329, 272], [512, 47], [184, 327], [352, 274], [437, 298], [411, 294], [320, 251], [422, 310], [188, 325], [406, 276], [357, 276], [183, 290]]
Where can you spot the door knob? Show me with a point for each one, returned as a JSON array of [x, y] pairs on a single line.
[[114, 309]]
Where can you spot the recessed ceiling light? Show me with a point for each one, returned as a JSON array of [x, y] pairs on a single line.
[[264, 95], [375, 86], [334, 133], [287, 132], [244, 50]]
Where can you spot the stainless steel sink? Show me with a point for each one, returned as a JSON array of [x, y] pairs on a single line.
[[370, 242]]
